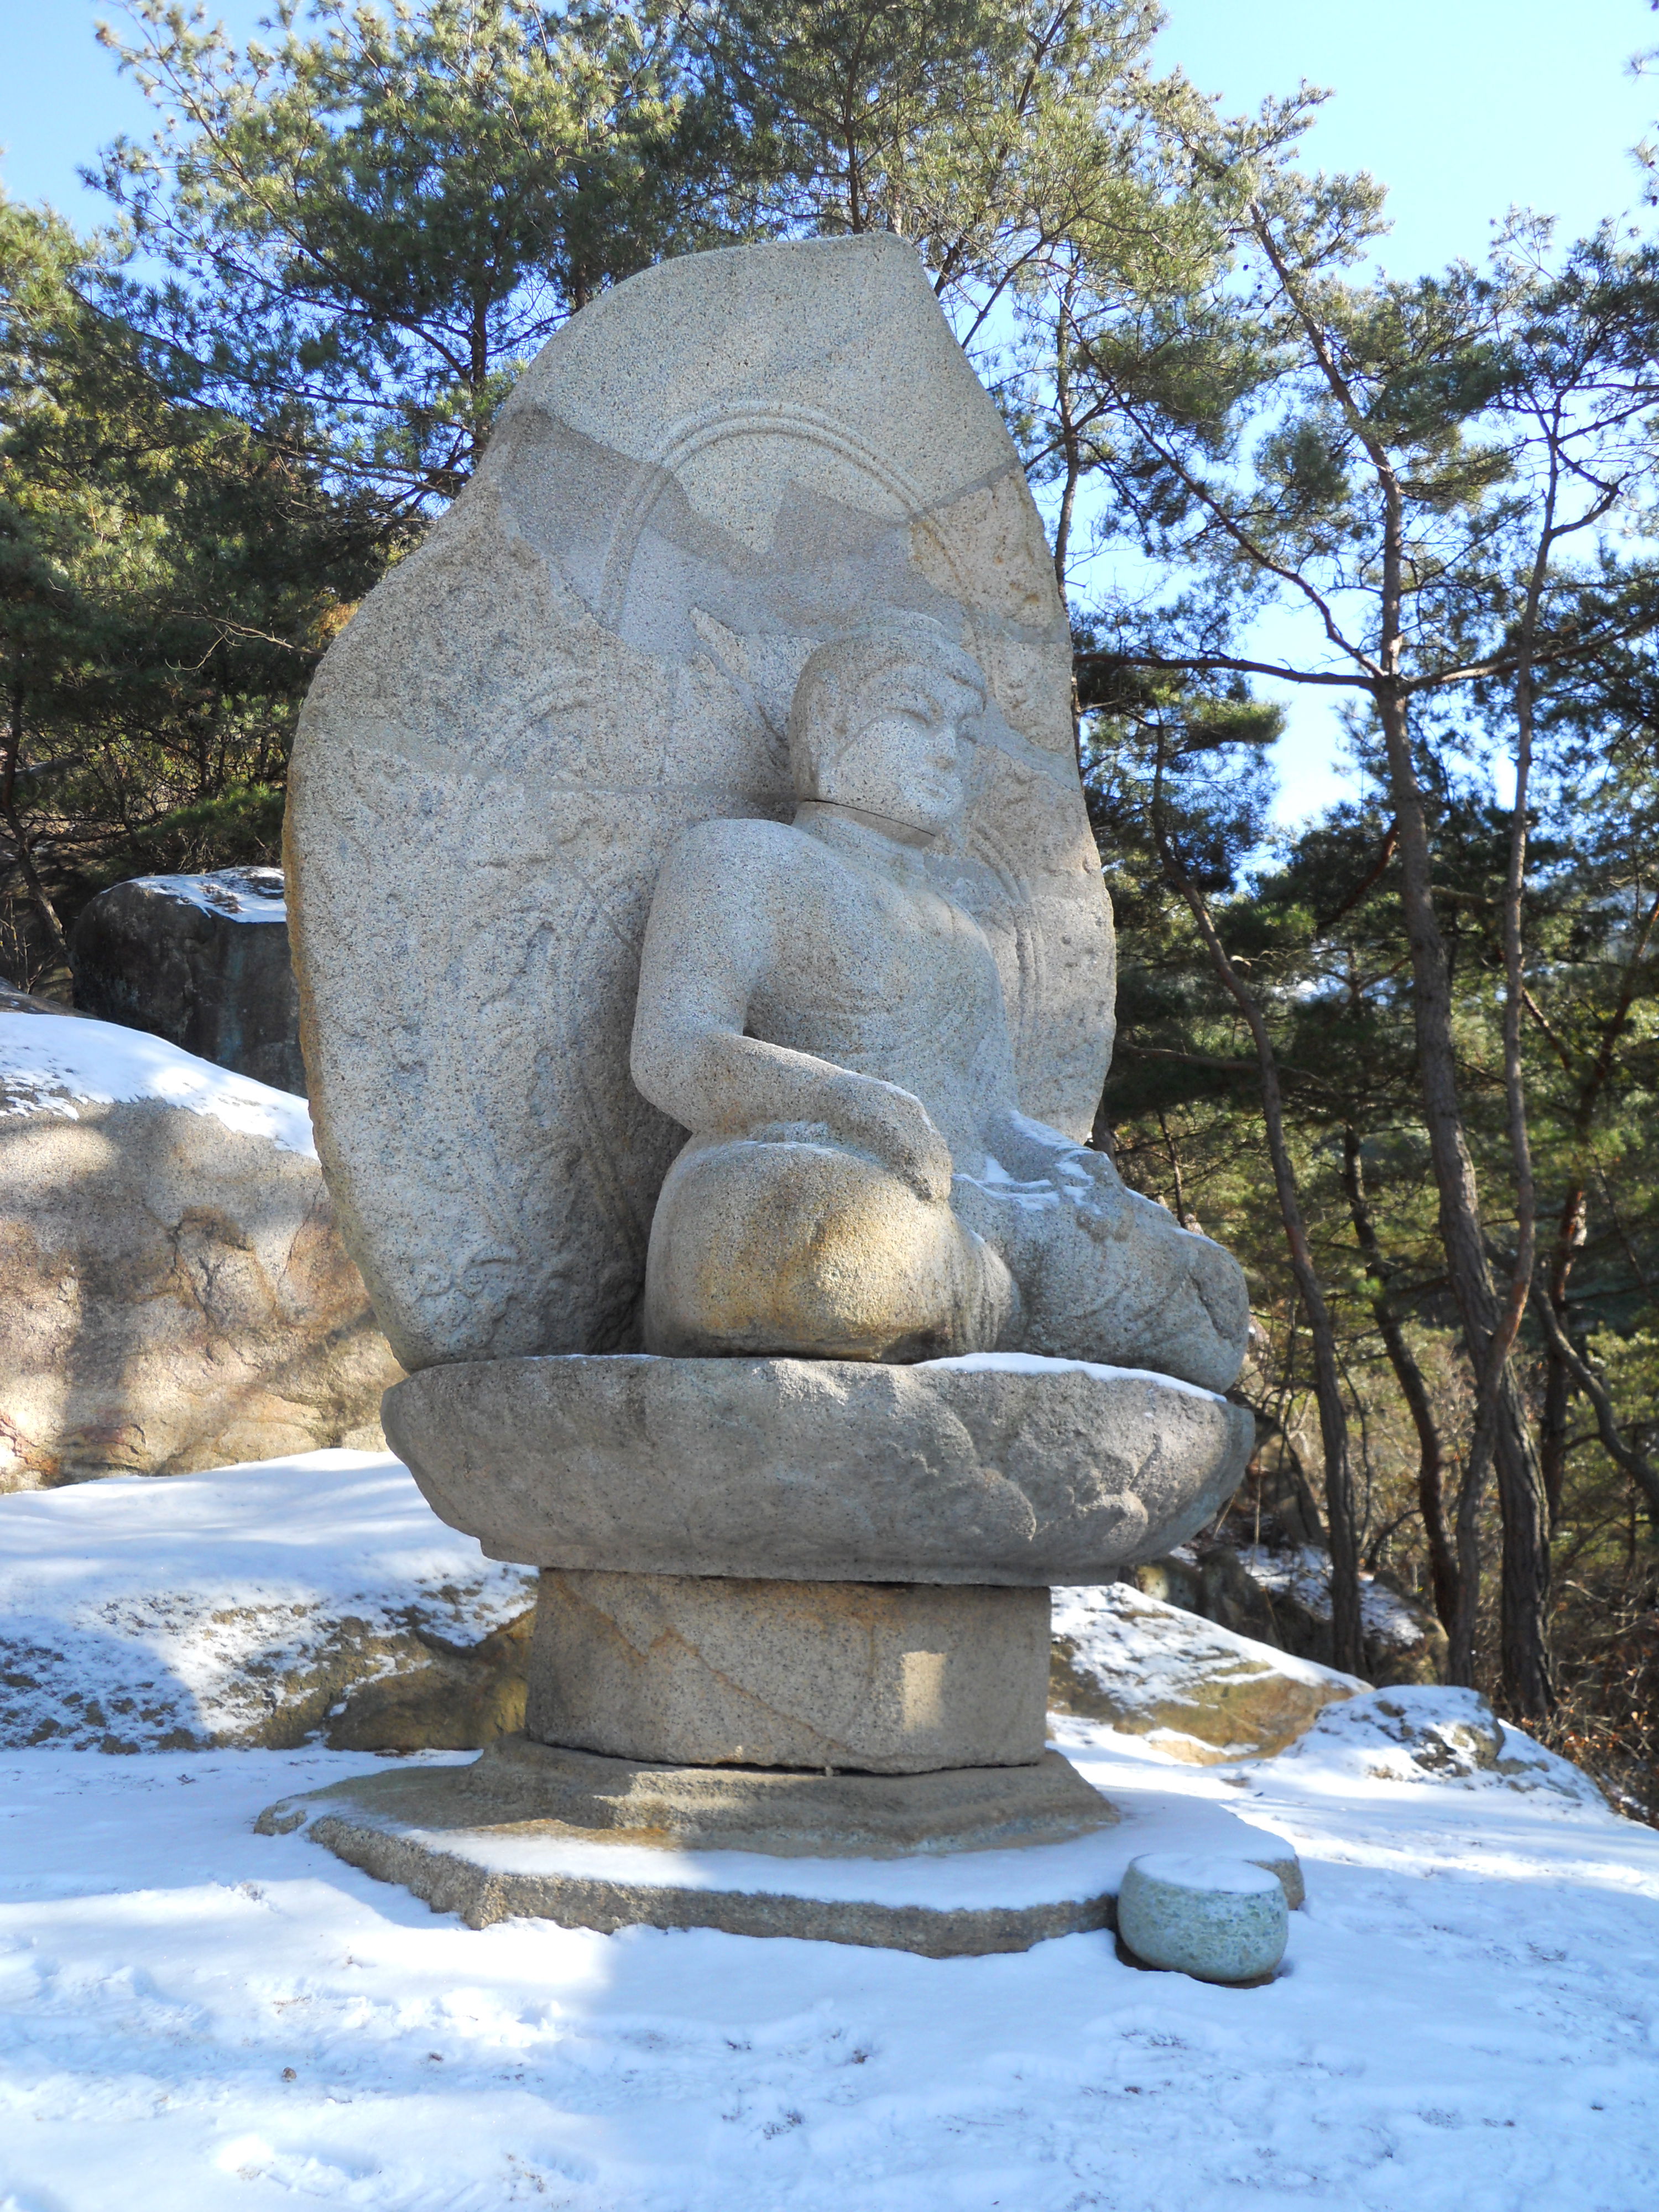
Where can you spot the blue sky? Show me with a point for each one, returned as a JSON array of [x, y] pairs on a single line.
[[1461, 107], [61, 97]]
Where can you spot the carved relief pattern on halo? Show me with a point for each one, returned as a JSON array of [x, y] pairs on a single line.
[[594, 650]]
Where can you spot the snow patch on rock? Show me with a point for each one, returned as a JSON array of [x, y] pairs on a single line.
[[229, 1608], [243, 894], [1033, 1362], [1305, 1576], [1199, 1691], [1415, 1734], [53, 1068]]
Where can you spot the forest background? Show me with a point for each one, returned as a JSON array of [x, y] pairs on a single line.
[[1403, 1054]]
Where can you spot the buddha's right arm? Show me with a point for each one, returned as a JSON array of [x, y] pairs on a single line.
[[708, 946]]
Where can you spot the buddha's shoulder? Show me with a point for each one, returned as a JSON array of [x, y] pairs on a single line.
[[745, 849]]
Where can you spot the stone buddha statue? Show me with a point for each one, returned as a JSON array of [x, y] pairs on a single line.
[[860, 1181], [794, 1584]]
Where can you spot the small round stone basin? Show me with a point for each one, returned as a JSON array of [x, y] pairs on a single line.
[[997, 1467]]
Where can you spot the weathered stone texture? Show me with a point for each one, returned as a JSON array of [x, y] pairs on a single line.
[[823, 1013], [787, 1812], [1219, 1920], [435, 1695], [1201, 1693], [173, 1295], [887, 1678], [709, 470], [817, 1469]]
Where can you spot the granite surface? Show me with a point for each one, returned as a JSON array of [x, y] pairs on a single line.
[[1003, 1469], [884, 1678], [829, 1023], [707, 472]]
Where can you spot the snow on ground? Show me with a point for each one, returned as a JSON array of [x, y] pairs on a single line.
[[52, 1067], [194, 2018], [142, 1609]]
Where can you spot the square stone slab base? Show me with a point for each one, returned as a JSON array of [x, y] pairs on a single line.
[[952, 1864]]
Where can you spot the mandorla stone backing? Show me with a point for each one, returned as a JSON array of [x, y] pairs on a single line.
[[708, 471]]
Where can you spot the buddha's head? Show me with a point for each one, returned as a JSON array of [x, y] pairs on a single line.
[[876, 718]]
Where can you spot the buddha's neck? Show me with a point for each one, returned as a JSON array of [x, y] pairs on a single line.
[[829, 814]]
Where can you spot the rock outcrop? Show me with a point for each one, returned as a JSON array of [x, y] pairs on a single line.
[[1283, 1598], [174, 1293], [1199, 1693], [291, 1601], [200, 960], [14, 1001], [1418, 1733]]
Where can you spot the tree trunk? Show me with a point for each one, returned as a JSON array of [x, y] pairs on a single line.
[[1552, 1428], [9, 763], [1182, 1215], [1635, 1464], [1430, 1458], [1572, 1223], [1501, 1427], [1347, 1633]]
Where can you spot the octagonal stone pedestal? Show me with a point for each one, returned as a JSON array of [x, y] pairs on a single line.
[[870, 1678], [790, 1611], [948, 1865]]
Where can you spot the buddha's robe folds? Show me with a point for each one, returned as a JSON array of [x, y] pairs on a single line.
[[859, 1183]]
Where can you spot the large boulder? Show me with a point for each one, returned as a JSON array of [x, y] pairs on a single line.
[[200, 960], [174, 1293], [269, 1605], [1197, 1692], [1282, 1597], [14, 1001]]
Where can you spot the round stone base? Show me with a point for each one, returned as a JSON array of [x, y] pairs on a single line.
[[999, 1467], [948, 1865], [1218, 1919]]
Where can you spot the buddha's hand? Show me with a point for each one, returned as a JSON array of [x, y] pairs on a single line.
[[1031, 1150], [895, 1125]]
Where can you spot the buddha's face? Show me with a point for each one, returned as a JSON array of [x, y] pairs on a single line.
[[905, 761]]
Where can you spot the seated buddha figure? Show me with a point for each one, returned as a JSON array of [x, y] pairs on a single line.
[[860, 1181]]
